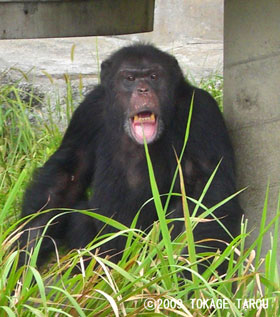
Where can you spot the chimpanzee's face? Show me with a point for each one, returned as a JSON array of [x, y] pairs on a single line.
[[140, 89]]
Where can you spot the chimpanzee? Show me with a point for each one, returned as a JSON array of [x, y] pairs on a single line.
[[143, 95]]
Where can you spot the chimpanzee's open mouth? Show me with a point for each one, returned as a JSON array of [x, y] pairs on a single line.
[[144, 124]]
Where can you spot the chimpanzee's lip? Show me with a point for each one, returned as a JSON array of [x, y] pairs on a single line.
[[144, 125]]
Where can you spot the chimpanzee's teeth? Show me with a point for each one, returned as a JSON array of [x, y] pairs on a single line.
[[140, 119]]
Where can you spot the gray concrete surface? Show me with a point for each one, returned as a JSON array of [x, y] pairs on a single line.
[[45, 19], [192, 30], [252, 102]]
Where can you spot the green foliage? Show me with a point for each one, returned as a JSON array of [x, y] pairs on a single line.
[[214, 85], [152, 267]]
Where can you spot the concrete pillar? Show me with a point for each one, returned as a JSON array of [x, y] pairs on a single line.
[[252, 100]]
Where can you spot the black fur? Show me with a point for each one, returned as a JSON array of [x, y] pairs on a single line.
[[98, 151]]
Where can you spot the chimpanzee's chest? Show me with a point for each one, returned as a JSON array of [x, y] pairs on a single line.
[[121, 183]]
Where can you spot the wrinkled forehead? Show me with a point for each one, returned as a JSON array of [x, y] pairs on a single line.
[[143, 63]]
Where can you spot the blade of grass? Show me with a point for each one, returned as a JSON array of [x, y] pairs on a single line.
[[181, 155], [41, 288], [12, 196], [160, 212], [262, 225], [8, 310], [72, 300], [273, 270], [188, 224]]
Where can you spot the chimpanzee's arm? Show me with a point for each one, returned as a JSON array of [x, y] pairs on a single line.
[[208, 144], [63, 180]]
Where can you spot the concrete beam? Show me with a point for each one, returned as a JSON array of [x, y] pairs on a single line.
[[64, 18]]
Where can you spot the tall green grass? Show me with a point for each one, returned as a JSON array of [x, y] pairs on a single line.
[[152, 267]]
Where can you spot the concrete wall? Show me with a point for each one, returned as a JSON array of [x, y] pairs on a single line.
[[185, 20], [192, 30], [252, 100]]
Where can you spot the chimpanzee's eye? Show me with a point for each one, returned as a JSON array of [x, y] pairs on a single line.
[[130, 77], [154, 76]]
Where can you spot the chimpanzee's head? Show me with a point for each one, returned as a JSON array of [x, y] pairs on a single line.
[[142, 81]]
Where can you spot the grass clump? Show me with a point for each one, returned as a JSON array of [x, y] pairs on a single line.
[[149, 280]]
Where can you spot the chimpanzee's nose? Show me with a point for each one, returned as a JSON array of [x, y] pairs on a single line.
[[143, 89]]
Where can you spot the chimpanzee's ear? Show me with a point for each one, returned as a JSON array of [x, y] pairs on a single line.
[[105, 71]]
